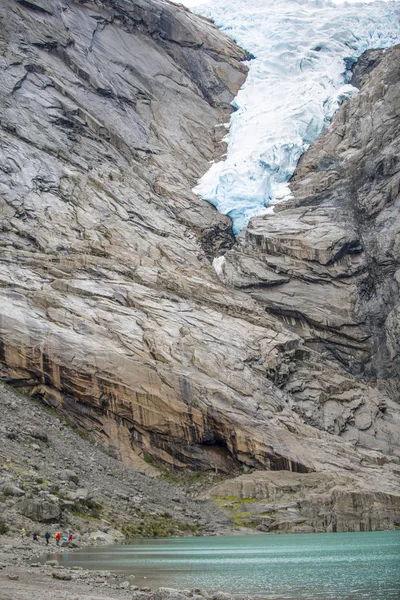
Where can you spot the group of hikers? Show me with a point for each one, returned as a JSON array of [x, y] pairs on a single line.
[[47, 536]]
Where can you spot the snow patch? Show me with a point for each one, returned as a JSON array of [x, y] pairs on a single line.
[[219, 266]]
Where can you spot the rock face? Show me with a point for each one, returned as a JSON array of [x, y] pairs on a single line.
[[327, 263], [110, 310], [305, 503]]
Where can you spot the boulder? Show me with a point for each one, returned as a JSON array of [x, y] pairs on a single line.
[[37, 434], [68, 475], [81, 494], [62, 576], [9, 489], [101, 536], [44, 511], [52, 563], [171, 594], [221, 596]]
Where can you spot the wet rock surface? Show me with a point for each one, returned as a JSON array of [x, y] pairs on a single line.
[[20, 583]]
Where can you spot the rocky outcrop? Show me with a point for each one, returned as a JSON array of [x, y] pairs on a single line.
[[285, 502], [110, 310]]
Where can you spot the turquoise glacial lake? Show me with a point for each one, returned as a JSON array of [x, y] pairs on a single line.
[[328, 566]]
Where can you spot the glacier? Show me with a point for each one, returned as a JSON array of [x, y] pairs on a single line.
[[303, 52]]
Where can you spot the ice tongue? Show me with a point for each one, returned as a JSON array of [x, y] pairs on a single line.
[[304, 51]]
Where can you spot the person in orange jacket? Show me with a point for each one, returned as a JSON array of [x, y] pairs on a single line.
[[58, 538]]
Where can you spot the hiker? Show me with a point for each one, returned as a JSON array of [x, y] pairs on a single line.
[[47, 536], [70, 537], [58, 538], [23, 532], [35, 537]]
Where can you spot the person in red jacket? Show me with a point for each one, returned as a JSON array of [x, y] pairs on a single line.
[[58, 538], [70, 537]]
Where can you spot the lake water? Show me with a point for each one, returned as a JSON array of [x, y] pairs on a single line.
[[337, 566]]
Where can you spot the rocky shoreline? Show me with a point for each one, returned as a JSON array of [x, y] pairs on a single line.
[[24, 576], [52, 478], [25, 572]]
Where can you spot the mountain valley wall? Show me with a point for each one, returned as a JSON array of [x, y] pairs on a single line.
[[110, 309]]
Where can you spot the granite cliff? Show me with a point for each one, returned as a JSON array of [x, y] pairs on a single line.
[[110, 309]]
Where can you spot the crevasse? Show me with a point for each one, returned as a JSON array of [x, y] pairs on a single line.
[[300, 75]]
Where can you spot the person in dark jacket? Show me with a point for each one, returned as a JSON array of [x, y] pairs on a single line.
[[47, 537]]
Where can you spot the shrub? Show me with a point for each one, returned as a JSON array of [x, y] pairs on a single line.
[[3, 527]]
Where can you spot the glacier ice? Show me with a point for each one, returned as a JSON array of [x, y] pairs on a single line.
[[300, 75]]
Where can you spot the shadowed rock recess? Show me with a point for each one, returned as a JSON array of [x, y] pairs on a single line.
[[110, 310]]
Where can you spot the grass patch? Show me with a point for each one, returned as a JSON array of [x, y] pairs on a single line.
[[88, 509], [157, 526], [234, 505]]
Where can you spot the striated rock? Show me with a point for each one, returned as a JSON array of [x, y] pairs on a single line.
[[326, 264], [312, 502], [109, 309]]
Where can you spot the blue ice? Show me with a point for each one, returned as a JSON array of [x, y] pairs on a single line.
[[300, 76]]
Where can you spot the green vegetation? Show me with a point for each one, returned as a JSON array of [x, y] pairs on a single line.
[[3, 527], [159, 526], [88, 509], [150, 460], [234, 505]]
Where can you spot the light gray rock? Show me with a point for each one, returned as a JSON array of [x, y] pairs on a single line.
[[44, 511], [171, 594], [325, 265], [51, 563], [221, 596], [68, 475], [124, 585], [310, 502], [62, 576], [8, 489], [81, 494]]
